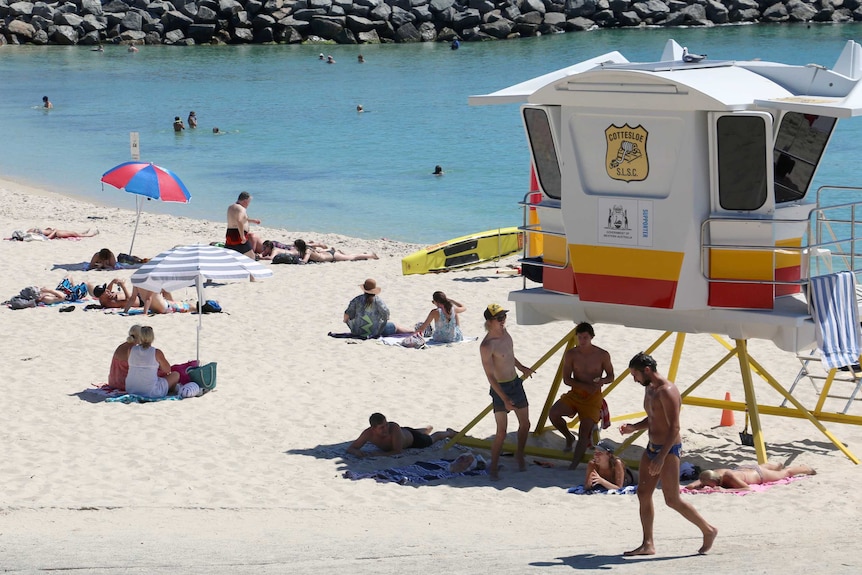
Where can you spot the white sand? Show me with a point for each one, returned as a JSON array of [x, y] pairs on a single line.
[[238, 481]]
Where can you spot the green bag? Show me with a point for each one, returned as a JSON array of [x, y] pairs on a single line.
[[204, 376]]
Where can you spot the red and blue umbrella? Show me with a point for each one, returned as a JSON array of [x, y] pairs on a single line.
[[149, 180], [146, 180]]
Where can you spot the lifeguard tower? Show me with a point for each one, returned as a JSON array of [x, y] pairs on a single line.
[[675, 195]]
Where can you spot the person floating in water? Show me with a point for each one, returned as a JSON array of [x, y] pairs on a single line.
[[133, 48], [330, 59], [360, 59], [455, 44], [46, 103], [438, 171], [178, 124], [217, 131], [359, 108]]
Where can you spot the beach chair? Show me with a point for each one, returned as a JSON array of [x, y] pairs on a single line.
[[832, 302]]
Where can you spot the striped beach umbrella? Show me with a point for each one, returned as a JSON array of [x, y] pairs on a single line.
[[186, 266]]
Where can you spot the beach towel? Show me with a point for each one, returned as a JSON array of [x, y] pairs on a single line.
[[581, 490], [419, 473], [832, 299], [754, 488], [399, 339], [115, 395]]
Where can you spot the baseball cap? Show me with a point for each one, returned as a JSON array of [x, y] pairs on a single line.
[[99, 290], [605, 445], [493, 310]]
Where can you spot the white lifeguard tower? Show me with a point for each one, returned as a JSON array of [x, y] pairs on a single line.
[[675, 195]]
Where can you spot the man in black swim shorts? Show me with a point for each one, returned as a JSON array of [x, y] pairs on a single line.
[[392, 438]]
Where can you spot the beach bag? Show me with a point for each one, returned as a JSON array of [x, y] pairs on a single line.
[[415, 341], [428, 330], [30, 292], [204, 376], [18, 302], [285, 259], [18, 235], [183, 368], [129, 260], [211, 306]]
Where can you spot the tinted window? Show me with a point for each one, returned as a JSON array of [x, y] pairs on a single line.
[[798, 147], [741, 162], [544, 153]]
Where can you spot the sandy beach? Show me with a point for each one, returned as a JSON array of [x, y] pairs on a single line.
[[249, 478]]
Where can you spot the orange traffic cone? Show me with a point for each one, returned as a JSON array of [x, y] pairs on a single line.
[[726, 414]]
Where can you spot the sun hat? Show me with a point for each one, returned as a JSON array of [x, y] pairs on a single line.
[[370, 286], [99, 290], [493, 310]]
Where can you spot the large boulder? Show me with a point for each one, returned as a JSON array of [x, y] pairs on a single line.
[[24, 30], [328, 27], [43, 10], [64, 36], [407, 33], [132, 21], [18, 9], [500, 29], [201, 33], [72, 20], [359, 24]]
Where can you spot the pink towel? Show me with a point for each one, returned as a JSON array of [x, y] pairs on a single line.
[[754, 488]]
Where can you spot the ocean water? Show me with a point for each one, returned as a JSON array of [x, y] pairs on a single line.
[[296, 142]]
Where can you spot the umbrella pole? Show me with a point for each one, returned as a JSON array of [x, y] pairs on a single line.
[[200, 290], [137, 221]]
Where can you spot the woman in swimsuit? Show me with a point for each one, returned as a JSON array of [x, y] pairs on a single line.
[[104, 259], [120, 361], [447, 326], [608, 471], [157, 302], [310, 254], [745, 475], [55, 234]]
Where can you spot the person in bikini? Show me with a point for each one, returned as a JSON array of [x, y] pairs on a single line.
[[238, 237], [745, 475], [586, 368], [109, 297], [311, 254], [660, 460], [507, 390], [156, 302], [392, 438], [55, 234], [607, 471]]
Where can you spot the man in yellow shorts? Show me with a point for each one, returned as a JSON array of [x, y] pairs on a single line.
[[586, 368]]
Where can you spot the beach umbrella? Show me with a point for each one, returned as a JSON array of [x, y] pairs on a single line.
[[186, 266], [146, 180]]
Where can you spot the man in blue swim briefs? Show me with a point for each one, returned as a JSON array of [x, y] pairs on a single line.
[[660, 459], [507, 390], [392, 438]]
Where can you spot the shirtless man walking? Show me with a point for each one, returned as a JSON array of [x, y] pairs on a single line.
[[660, 460], [391, 438], [586, 368], [238, 238], [507, 389]]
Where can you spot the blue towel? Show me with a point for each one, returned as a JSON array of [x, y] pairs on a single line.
[[581, 490], [134, 398], [836, 318]]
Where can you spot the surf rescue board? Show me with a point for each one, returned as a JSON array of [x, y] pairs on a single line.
[[464, 251]]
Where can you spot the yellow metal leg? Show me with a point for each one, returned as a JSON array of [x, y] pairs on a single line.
[[751, 400]]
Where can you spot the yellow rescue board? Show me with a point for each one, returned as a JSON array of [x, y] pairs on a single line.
[[464, 251]]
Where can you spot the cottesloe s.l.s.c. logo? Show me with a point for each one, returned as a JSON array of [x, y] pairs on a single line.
[[626, 158]]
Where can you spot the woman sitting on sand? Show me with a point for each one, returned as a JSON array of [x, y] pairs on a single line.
[[55, 234], [103, 259], [120, 360], [606, 470], [367, 316], [745, 475], [156, 302], [310, 254], [447, 326], [147, 366]]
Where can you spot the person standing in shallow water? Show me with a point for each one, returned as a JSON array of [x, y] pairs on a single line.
[[660, 459], [193, 120], [46, 103], [178, 124]]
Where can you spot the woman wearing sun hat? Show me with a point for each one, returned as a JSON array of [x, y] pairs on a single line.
[[367, 316]]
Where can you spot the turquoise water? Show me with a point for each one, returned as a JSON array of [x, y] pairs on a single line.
[[296, 142]]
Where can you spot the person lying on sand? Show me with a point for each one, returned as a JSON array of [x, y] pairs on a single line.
[[104, 259], [745, 475], [271, 248], [310, 254], [55, 234], [156, 302], [109, 297], [392, 438]]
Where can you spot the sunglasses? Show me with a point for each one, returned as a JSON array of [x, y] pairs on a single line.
[[500, 317]]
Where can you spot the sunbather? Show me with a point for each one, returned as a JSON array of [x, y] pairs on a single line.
[[55, 234], [67, 290], [157, 302], [608, 471], [391, 438], [103, 259], [120, 360], [310, 254], [745, 475], [109, 297], [447, 327]]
